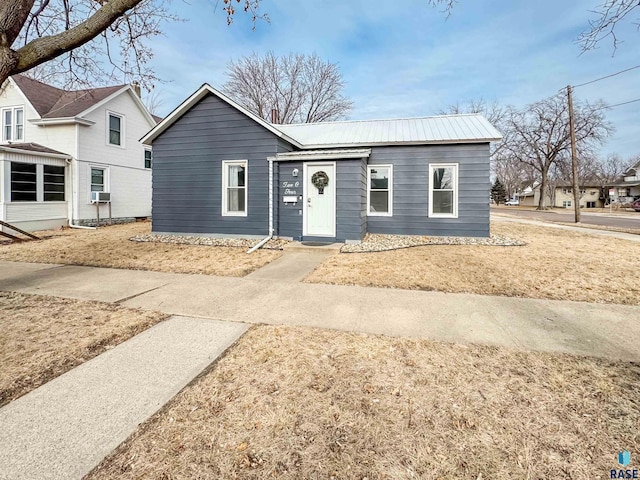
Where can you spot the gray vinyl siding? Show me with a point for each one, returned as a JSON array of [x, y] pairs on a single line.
[[187, 171], [411, 190], [289, 220], [349, 188]]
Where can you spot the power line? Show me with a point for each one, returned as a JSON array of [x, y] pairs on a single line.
[[623, 103], [607, 76]]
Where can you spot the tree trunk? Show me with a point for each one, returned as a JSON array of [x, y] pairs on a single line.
[[543, 191]]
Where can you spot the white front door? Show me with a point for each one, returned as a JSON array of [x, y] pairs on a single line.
[[320, 199]]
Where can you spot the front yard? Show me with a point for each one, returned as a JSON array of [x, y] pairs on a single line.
[[555, 264], [43, 337], [314, 404], [110, 247]]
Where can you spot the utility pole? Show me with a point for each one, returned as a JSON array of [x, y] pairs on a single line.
[[574, 157]]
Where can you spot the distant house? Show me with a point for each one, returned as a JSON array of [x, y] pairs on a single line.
[[627, 188], [221, 170], [562, 195], [57, 147]]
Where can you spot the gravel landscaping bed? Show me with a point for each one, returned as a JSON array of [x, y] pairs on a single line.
[[379, 243], [273, 244]]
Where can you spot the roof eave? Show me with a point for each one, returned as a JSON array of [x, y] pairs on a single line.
[[329, 154], [8, 149], [387, 144], [61, 121], [136, 98], [198, 95]]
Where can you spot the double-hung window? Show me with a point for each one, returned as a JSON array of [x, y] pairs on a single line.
[[13, 124], [234, 188], [380, 190], [443, 190], [24, 181], [147, 158], [97, 179], [115, 129]]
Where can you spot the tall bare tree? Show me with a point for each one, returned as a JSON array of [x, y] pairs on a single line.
[[301, 88], [608, 15], [539, 134], [80, 42]]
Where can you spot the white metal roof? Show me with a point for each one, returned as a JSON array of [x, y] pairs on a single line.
[[469, 128], [323, 154]]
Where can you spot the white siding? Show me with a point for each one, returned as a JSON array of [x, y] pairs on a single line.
[[31, 211], [129, 182], [57, 137], [130, 190]]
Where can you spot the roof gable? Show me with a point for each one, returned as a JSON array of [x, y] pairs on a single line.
[[52, 102], [469, 128], [198, 95]]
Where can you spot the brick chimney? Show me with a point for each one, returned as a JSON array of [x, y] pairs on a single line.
[[275, 115]]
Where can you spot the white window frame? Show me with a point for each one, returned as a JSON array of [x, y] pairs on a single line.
[[144, 158], [105, 177], [122, 129], [389, 213], [225, 177], [432, 167], [14, 124]]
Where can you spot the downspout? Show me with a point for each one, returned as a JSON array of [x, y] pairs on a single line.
[[270, 236], [71, 224]]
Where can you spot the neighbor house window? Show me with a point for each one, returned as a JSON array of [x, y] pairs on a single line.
[[380, 191], [234, 188], [53, 183], [443, 190], [147, 158], [13, 124], [566, 203], [97, 179], [115, 129], [23, 182]]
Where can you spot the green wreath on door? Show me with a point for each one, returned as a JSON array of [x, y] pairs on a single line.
[[320, 180]]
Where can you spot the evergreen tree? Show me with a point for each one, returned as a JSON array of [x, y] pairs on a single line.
[[498, 193]]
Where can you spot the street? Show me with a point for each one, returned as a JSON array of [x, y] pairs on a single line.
[[628, 220]]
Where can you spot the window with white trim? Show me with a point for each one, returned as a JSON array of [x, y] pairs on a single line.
[[147, 158], [53, 183], [234, 187], [98, 176], [13, 124], [443, 190], [380, 190], [24, 182], [115, 124]]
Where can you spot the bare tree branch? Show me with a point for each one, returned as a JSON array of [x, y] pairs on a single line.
[[608, 15], [301, 88]]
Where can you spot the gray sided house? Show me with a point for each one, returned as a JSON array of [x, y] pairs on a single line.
[[220, 170]]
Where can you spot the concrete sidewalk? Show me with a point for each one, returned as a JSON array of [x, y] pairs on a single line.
[[610, 331], [65, 428]]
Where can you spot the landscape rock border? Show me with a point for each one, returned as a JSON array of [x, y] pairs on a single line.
[[374, 242], [273, 244]]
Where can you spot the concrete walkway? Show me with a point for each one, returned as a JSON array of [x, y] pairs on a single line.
[[294, 265], [500, 217], [66, 427], [610, 331]]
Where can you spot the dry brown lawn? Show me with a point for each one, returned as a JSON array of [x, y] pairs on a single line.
[[110, 247], [295, 403], [555, 264], [43, 337]]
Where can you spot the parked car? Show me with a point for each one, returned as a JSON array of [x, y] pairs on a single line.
[[636, 205], [512, 203]]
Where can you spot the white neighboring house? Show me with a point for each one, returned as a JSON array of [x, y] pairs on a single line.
[[57, 146]]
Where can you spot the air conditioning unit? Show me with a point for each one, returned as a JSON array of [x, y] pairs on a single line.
[[100, 197]]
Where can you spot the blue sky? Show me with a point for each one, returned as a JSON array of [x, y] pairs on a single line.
[[403, 59]]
